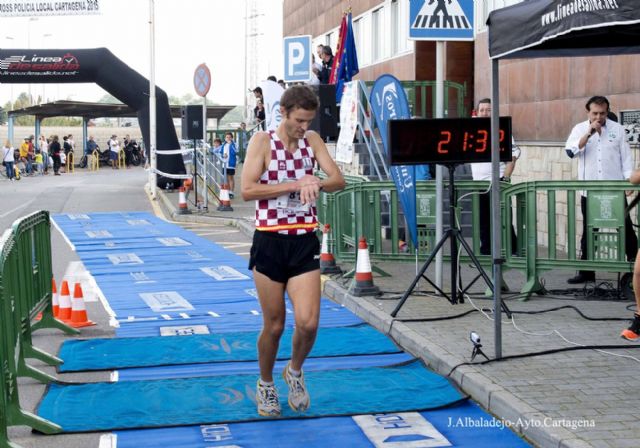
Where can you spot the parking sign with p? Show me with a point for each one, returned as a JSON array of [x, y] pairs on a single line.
[[297, 58]]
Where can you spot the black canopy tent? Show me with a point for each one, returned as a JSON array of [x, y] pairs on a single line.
[[547, 28]]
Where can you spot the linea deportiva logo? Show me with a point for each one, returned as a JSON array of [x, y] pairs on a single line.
[[34, 62]]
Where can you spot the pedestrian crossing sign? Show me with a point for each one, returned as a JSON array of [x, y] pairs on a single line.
[[441, 19]]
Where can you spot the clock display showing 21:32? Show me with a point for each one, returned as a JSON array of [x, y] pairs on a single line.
[[446, 141]]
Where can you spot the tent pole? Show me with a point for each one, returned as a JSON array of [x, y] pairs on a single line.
[[153, 178], [496, 248], [439, 113]]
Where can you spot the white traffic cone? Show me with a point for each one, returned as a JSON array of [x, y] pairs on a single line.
[[65, 302], [225, 201], [364, 278], [79, 316], [183, 208], [327, 262]]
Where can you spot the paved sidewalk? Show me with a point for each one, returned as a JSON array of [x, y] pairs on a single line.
[[582, 398]]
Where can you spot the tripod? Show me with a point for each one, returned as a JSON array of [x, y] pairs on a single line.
[[454, 236]]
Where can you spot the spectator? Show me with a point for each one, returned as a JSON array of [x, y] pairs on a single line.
[[55, 150], [39, 162], [603, 153], [229, 154], [327, 63], [114, 148], [91, 146], [244, 137], [31, 152], [8, 160], [272, 78], [24, 156], [43, 145], [282, 83], [72, 143], [260, 115], [66, 145]]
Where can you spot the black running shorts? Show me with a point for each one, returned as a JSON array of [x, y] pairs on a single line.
[[281, 257]]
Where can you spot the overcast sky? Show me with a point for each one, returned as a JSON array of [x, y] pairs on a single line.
[[188, 33]]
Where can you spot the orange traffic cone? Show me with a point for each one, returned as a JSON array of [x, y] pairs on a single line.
[[183, 208], [327, 262], [54, 298], [79, 316], [364, 277], [64, 313], [225, 201]]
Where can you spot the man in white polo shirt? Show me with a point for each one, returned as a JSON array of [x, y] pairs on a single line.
[[482, 171]]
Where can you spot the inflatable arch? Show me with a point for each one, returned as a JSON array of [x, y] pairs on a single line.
[[100, 66]]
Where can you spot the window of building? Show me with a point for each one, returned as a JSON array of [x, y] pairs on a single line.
[[377, 33], [399, 27], [362, 30]]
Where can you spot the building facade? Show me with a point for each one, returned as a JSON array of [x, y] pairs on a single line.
[[381, 34]]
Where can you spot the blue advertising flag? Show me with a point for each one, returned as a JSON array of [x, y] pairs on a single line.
[[389, 102], [348, 67]]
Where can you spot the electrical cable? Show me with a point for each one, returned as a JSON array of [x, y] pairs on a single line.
[[550, 352]]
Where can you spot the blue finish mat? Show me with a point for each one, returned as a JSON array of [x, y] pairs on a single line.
[[175, 402], [335, 316], [463, 426], [107, 354], [239, 368]]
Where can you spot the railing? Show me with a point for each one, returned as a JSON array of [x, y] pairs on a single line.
[[360, 210], [605, 229], [241, 138], [25, 293]]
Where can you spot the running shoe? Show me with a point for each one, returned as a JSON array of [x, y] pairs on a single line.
[[267, 399], [633, 332], [299, 399]]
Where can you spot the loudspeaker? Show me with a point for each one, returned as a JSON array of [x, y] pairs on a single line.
[[325, 122], [192, 125]]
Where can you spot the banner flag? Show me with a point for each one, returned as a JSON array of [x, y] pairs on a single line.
[[348, 122], [271, 94], [347, 65], [389, 102]]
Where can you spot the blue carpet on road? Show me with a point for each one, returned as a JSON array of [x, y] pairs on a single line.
[[105, 354], [230, 398], [464, 426], [148, 268], [160, 279], [233, 368]]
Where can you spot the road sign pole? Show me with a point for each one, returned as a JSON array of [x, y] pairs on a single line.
[[205, 156]]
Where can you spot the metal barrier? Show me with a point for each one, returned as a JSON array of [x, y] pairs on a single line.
[[94, 164], [605, 229], [69, 163], [367, 208], [25, 292], [121, 159]]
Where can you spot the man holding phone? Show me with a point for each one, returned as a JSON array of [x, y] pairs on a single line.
[[603, 153]]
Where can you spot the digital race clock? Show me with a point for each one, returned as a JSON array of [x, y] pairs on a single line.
[[446, 140]]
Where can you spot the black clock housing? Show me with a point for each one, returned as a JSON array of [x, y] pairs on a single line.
[[446, 141]]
